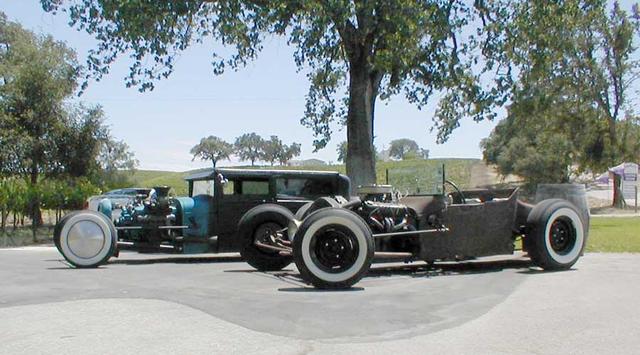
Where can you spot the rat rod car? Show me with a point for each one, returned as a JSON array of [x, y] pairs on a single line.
[[332, 239], [205, 221]]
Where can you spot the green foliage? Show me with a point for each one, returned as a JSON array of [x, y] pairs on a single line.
[[13, 199], [288, 152], [83, 134], [16, 195], [42, 133], [49, 145], [571, 102], [249, 146], [116, 163], [342, 151], [212, 148], [416, 154], [538, 154], [272, 149], [399, 148], [38, 74], [365, 49]]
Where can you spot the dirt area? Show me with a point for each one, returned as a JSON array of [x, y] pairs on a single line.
[[483, 175], [22, 236], [599, 198]]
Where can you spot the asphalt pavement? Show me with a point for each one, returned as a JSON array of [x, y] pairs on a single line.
[[151, 304]]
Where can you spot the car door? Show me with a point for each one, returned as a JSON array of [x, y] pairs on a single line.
[[290, 192], [239, 195]]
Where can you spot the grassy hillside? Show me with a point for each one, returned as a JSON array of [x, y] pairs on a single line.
[[457, 170]]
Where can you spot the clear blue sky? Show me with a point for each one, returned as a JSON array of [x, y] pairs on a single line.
[[267, 97]]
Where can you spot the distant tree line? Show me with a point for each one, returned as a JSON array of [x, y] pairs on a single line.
[[399, 149], [248, 147], [54, 152]]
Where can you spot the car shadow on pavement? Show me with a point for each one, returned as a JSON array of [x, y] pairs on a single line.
[[178, 260], [416, 270], [538, 271], [313, 289], [449, 268]]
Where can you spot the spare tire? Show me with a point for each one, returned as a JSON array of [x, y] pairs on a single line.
[[555, 236], [263, 222]]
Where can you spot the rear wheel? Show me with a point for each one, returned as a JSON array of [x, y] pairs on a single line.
[[85, 238], [333, 248], [556, 235], [301, 213], [261, 234]]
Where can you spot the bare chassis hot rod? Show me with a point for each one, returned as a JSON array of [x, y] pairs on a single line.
[[333, 240]]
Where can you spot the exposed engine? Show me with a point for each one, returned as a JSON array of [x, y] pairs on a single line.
[[387, 217], [155, 211], [158, 210]]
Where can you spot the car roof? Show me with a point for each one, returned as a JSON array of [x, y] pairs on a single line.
[[259, 173], [122, 190]]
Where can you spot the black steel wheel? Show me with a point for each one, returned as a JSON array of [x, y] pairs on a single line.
[[562, 236], [333, 248], [555, 236], [258, 231]]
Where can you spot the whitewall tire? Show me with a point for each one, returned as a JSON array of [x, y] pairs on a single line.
[[333, 248], [86, 238], [556, 235]]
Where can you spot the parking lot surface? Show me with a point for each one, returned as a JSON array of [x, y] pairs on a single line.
[[215, 303]]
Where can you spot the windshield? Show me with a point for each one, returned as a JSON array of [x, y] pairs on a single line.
[[202, 187], [417, 180]]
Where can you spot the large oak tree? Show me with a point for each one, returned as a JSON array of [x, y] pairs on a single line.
[[354, 53]]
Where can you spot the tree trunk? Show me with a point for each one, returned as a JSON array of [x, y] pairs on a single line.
[[361, 162], [4, 216], [34, 206], [615, 153], [618, 199]]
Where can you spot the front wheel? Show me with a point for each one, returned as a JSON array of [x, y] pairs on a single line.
[[556, 235], [333, 248], [85, 238]]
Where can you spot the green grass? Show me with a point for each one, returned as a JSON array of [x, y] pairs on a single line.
[[457, 170], [151, 178], [614, 235]]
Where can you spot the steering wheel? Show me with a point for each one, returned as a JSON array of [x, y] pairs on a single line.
[[455, 187]]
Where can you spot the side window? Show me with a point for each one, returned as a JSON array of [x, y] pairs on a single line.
[[255, 187], [246, 187], [203, 187], [296, 187], [228, 187]]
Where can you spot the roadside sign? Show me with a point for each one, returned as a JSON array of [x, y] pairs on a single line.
[[629, 181]]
